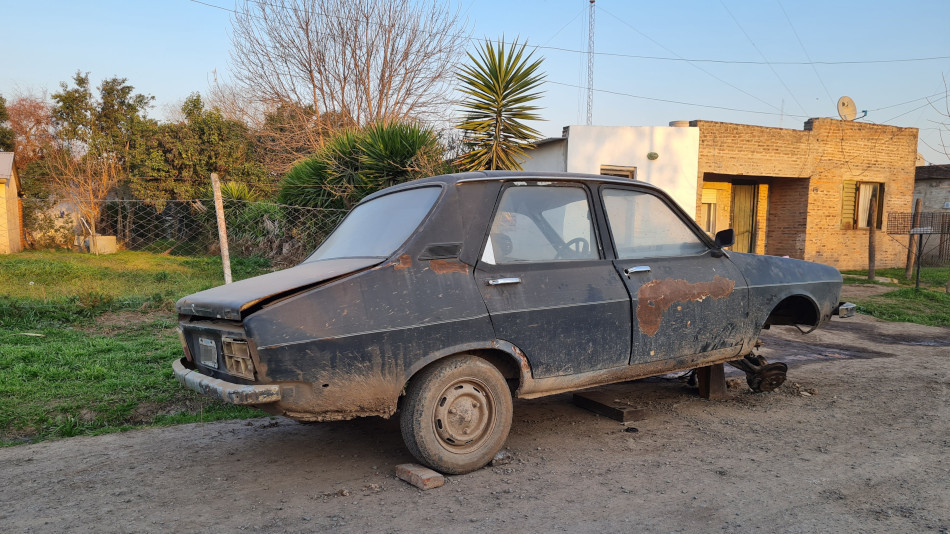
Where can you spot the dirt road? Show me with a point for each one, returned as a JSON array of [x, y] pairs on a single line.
[[858, 440]]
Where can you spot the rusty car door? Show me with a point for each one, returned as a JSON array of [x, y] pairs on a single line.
[[687, 297], [547, 285]]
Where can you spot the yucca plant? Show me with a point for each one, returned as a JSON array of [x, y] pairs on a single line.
[[500, 86], [392, 153], [355, 163]]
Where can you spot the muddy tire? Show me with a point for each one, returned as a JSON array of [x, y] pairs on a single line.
[[457, 414]]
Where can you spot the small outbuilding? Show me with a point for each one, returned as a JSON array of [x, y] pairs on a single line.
[[11, 206], [932, 188]]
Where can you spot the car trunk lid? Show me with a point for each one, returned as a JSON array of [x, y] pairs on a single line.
[[231, 300]]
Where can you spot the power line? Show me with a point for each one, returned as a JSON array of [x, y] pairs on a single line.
[[692, 64], [635, 56], [579, 13], [928, 97], [668, 101], [831, 99], [771, 68]]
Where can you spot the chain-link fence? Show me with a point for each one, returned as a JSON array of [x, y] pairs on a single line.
[[283, 234]]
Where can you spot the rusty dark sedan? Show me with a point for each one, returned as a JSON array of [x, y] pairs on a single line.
[[445, 297]]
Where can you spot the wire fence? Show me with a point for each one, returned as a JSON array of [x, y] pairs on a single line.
[[283, 234], [930, 229]]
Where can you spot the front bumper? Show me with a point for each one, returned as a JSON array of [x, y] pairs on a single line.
[[226, 391]]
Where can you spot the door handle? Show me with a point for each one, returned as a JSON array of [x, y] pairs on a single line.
[[637, 269], [503, 281]]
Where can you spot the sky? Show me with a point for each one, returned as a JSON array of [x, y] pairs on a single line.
[[768, 62]]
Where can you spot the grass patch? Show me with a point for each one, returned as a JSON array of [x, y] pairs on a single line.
[[87, 347], [924, 306], [929, 276]]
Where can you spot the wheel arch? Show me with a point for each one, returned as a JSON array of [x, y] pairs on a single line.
[[507, 358], [795, 309]]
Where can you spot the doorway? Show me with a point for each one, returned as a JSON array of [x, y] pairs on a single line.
[[743, 215]]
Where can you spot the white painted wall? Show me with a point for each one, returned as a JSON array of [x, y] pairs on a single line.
[[589, 147], [547, 157]]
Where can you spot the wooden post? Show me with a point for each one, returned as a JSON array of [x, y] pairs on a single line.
[[915, 221], [712, 382], [872, 229], [222, 228]]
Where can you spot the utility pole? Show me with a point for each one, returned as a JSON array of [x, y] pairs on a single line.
[[590, 65]]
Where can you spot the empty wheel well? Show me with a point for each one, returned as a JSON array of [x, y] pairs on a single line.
[[794, 310]]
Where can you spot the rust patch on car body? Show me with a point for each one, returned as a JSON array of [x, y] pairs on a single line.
[[405, 262], [447, 266], [655, 297]]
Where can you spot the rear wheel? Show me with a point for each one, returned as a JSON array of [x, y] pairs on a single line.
[[457, 414]]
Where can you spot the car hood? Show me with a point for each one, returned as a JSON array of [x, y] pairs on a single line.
[[229, 301]]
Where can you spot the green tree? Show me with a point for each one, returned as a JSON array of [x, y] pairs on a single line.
[[499, 87], [7, 136], [355, 163], [95, 141], [111, 123], [179, 157]]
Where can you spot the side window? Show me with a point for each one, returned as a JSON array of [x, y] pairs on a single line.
[[643, 226], [856, 204], [541, 223]]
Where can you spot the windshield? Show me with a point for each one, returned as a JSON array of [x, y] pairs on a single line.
[[377, 228]]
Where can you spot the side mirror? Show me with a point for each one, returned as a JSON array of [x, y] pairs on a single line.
[[725, 238]]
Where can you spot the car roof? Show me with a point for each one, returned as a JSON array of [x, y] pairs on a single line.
[[500, 176]]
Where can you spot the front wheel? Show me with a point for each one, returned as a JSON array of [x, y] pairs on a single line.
[[457, 414]]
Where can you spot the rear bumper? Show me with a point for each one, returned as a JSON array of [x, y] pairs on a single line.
[[227, 391]]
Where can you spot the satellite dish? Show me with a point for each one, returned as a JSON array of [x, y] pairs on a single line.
[[846, 109]]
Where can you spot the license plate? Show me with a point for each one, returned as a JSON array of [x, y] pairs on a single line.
[[207, 352]]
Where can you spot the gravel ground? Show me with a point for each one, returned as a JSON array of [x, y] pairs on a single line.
[[857, 440]]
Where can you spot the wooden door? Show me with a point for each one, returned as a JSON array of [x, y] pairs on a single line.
[[743, 216]]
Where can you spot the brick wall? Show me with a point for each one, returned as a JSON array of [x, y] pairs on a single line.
[[785, 228], [807, 170]]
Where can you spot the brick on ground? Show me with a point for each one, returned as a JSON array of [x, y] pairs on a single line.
[[419, 476]]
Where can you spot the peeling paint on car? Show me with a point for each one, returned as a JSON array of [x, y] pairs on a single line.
[[657, 296]]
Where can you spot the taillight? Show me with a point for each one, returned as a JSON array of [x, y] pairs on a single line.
[[237, 358]]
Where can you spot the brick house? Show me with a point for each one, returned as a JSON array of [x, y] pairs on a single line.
[[807, 193], [799, 193]]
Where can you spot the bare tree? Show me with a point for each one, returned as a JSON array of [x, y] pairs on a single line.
[[31, 121], [84, 181], [309, 67]]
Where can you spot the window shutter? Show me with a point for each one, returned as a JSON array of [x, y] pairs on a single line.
[[849, 194]]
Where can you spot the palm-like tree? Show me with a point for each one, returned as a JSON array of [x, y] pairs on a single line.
[[500, 86]]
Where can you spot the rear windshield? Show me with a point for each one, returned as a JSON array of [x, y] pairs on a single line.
[[377, 228]]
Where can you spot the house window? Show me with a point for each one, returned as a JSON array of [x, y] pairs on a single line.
[[619, 171], [707, 211], [857, 198]]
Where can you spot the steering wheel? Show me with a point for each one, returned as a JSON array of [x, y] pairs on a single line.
[[578, 247]]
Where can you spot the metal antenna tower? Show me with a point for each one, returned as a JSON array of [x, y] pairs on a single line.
[[590, 65]]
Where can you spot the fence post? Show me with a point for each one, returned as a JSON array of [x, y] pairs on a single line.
[[222, 228], [915, 222], [872, 249]]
